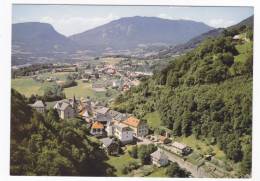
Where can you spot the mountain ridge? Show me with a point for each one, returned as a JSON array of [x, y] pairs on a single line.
[[132, 32]]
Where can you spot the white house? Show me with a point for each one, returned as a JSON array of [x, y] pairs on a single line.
[[65, 110], [38, 106], [159, 158], [123, 132], [139, 127]]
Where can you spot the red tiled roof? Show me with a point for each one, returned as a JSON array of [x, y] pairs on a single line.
[[97, 125], [131, 121]]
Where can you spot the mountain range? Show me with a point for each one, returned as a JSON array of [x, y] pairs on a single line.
[[36, 42], [34, 39], [133, 32]]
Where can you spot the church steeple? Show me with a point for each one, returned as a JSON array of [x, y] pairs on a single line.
[[74, 102]]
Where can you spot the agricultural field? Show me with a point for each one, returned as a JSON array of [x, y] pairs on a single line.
[[81, 90], [27, 86]]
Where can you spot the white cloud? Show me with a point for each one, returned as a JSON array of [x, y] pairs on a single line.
[[165, 16], [220, 23], [72, 25]]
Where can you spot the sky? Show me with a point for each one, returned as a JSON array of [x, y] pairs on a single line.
[[72, 19]]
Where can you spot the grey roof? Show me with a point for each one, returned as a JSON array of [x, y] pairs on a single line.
[[117, 115], [102, 110], [120, 117], [103, 118], [113, 113], [159, 154], [179, 145], [64, 106], [38, 104], [107, 141], [61, 106]]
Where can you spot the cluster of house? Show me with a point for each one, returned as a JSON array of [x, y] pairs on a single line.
[[113, 76], [114, 128], [102, 120]]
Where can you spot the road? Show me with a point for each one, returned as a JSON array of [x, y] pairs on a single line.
[[196, 171]]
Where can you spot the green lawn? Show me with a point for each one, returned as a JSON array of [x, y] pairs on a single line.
[[28, 86], [153, 119], [119, 161], [81, 90], [158, 172]]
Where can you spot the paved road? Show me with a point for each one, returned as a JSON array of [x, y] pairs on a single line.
[[193, 169]]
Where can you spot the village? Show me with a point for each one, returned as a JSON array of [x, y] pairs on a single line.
[[115, 131]]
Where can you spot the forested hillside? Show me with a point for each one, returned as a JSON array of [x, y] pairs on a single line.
[[46, 145], [206, 93]]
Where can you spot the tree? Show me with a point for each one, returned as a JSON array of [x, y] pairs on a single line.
[[227, 59], [246, 164], [250, 35], [173, 170], [53, 92], [144, 152], [234, 150], [70, 81], [186, 124], [41, 144], [134, 151]]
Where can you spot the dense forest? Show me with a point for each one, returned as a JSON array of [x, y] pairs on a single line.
[[206, 92], [42, 144]]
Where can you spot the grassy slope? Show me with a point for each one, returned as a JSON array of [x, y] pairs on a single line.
[[158, 172], [203, 147], [28, 86], [243, 49], [81, 90], [153, 119], [119, 161]]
